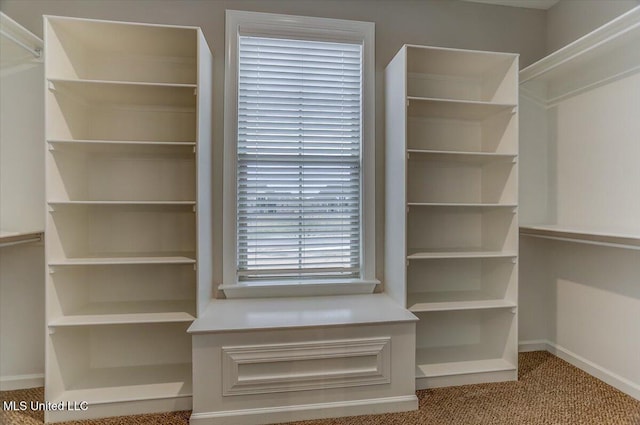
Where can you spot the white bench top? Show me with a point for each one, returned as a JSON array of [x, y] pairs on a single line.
[[299, 312]]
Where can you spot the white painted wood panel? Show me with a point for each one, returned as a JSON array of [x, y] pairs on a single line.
[[452, 208], [128, 109]]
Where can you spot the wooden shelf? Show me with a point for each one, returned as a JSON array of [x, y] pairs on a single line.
[[604, 55], [122, 313], [154, 204], [127, 168], [460, 156], [593, 236], [429, 370], [122, 146], [126, 384], [456, 109], [421, 307], [146, 258], [460, 205], [434, 255], [452, 191], [101, 92]]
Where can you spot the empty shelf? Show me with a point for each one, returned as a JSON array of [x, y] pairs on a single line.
[[120, 313], [417, 306], [123, 146], [461, 368], [146, 258], [592, 236], [430, 254], [8, 238], [460, 156], [456, 109], [606, 54], [100, 92], [126, 384], [461, 205], [122, 203]]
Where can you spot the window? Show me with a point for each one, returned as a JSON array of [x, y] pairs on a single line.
[[296, 154]]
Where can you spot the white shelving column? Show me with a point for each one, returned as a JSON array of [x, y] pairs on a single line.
[[127, 111], [451, 211]]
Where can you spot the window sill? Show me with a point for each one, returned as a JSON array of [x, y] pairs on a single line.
[[299, 312], [299, 288]]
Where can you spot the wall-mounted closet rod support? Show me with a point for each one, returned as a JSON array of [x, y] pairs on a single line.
[[37, 52]]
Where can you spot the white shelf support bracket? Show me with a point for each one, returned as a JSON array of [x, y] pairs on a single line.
[[514, 110], [513, 260], [513, 310], [51, 86], [195, 92], [193, 208], [195, 267], [51, 330]]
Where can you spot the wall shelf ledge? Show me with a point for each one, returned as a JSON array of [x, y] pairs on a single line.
[[591, 236]]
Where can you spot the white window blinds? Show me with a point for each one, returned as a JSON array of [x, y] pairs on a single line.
[[299, 162]]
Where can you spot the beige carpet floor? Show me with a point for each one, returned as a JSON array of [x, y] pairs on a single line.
[[549, 392]]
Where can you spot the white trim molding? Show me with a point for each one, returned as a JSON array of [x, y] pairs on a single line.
[[21, 382], [306, 412], [314, 365]]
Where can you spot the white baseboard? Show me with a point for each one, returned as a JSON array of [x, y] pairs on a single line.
[[602, 373], [269, 415], [21, 382], [533, 345]]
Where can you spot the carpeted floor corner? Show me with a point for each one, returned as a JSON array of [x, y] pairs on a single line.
[[549, 392]]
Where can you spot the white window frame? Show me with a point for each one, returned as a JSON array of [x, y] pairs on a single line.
[[304, 28]]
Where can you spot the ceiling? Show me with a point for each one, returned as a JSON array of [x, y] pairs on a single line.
[[531, 4]]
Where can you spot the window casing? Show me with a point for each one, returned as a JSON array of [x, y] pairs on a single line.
[[299, 164]]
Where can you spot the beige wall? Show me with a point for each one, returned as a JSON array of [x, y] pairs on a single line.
[[448, 23], [569, 20]]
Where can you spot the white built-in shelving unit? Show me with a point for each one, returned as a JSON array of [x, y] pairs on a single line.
[[128, 200], [451, 209]]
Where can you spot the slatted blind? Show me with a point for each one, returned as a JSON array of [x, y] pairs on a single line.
[[299, 137]]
